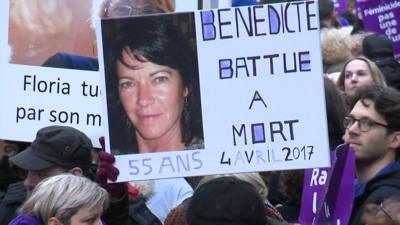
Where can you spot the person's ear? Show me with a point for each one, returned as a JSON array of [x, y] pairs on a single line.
[[77, 171], [185, 91], [395, 140], [53, 221]]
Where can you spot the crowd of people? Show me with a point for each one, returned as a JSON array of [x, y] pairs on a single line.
[[60, 178]]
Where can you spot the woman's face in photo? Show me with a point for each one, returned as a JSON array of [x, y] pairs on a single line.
[[152, 96], [357, 74]]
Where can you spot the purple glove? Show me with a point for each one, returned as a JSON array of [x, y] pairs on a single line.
[[106, 170]]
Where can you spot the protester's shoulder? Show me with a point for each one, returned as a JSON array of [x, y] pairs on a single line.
[[384, 186]]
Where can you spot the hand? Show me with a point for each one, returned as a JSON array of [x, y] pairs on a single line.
[[106, 170]]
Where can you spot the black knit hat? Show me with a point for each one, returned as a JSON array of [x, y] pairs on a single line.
[[226, 201], [61, 146], [377, 46]]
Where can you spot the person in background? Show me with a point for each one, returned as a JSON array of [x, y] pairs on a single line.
[[373, 131], [228, 201], [64, 199], [8, 172], [327, 18], [177, 216], [291, 182], [357, 72], [380, 49], [356, 43], [55, 150], [335, 46], [336, 110]]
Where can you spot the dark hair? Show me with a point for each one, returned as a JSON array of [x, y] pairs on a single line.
[[325, 8], [387, 104], [377, 46], [335, 110], [291, 184], [158, 39]]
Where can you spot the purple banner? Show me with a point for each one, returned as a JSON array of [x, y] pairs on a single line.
[[323, 187], [340, 6], [382, 17]]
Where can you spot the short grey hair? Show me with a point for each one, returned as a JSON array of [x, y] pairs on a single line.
[[64, 195]]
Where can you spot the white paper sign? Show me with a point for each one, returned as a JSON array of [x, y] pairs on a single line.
[[32, 96], [261, 84]]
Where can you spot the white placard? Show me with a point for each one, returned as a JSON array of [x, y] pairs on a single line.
[[33, 97], [262, 93]]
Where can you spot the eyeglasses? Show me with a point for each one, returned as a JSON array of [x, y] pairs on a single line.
[[364, 124], [121, 10], [118, 11], [382, 208]]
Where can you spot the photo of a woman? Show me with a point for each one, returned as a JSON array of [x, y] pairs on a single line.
[[152, 84]]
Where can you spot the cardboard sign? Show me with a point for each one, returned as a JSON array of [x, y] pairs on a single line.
[[328, 193], [382, 17], [260, 81], [33, 96]]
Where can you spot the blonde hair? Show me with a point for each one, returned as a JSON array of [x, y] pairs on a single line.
[[335, 45], [377, 76], [64, 195], [252, 178], [356, 43]]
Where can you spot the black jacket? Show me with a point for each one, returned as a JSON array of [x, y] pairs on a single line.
[[391, 70], [130, 211], [11, 202], [377, 189]]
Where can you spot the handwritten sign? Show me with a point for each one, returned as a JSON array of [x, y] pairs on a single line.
[[33, 96], [262, 96]]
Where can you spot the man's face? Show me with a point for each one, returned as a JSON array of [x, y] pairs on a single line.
[[371, 145], [34, 177]]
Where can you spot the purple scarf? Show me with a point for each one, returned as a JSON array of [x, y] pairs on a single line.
[[24, 219]]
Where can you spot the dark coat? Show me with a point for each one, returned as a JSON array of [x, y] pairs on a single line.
[[377, 189], [11, 202], [391, 70]]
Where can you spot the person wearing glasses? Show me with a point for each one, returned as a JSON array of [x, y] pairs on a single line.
[[373, 131]]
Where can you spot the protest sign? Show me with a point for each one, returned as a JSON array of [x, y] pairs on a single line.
[[328, 193], [33, 96], [340, 6], [261, 91], [382, 17]]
